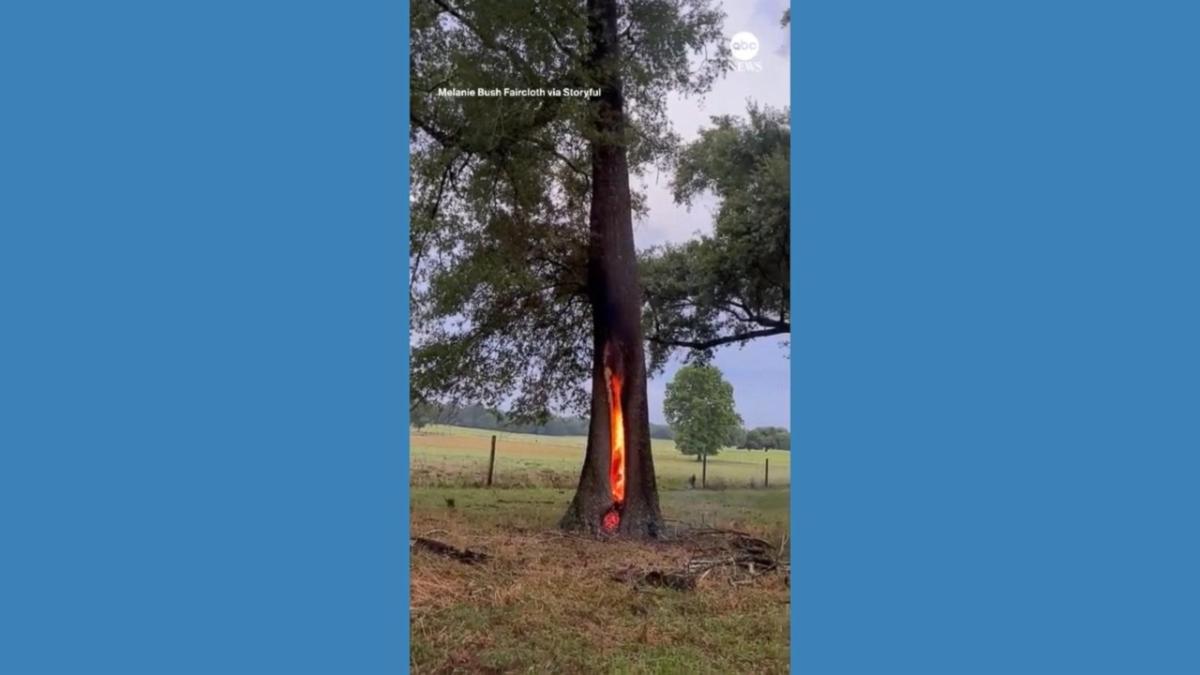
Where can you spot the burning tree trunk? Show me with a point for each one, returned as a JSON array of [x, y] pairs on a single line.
[[617, 491]]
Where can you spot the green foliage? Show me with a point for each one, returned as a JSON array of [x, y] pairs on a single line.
[[478, 417], [767, 438], [734, 285], [501, 185], [700, 409], [422, 415], [737, 437]]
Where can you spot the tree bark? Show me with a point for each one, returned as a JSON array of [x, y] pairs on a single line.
[[616, 298]]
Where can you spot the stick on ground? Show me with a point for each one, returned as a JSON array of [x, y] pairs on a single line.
[[463, 555]]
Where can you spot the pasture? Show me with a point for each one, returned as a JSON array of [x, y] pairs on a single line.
[[446, 456], [548, 601]]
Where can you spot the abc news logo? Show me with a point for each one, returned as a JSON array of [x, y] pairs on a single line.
[[744, 47]]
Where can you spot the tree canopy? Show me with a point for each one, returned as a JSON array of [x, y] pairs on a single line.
[[700, 409], [501, 187], [734, 285], [478, 417], [767, 438]]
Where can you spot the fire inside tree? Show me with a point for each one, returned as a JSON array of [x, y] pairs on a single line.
[[616, 466], [620, 421], [504, 274]]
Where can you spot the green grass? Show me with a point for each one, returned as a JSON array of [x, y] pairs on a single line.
[[449, 456], [547, 603], [760, 511]]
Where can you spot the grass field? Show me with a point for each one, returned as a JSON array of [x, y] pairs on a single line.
[[547, 602], [445, 456]]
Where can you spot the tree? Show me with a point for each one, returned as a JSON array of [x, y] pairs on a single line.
[[522, 263], [699, 406], [737, 437], [734, 285], [767, 438], [424, 414], [421, 416]]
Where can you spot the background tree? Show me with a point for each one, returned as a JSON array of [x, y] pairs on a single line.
[[734, 285], [767, 438], [422, 415], [737, 437], [700, 409], [477, 417], [523, 264]]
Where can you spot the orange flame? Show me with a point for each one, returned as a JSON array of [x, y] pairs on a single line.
[[611, 519], [616, 470]]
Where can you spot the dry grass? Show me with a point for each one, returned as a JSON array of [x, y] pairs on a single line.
[[454, 476], [547, 602]]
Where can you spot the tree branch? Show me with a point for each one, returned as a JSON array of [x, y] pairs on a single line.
[[488, 41], [566, 160], [545, 22], [717, 342]]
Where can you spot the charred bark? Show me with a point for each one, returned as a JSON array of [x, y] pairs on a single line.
[[616, 297]]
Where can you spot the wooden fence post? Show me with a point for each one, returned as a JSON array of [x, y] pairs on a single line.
[[766, 472], [492, 461], [703, 469]]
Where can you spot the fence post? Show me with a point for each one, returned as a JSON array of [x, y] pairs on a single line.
[[492, 461], [766, 472], [703, 469]]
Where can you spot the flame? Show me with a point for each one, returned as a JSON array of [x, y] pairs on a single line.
[[611, 519], [616, 467], [616, 471]]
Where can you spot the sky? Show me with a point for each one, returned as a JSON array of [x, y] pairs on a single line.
[[759, 370]]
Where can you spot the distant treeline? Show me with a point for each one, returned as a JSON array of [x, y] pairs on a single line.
[[763, 438], [479, 417]]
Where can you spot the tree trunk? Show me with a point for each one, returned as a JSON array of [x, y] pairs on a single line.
[[617, 492]]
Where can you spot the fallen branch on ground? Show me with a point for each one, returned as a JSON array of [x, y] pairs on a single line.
[[463, 555], [738, 557], [678, 581]]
